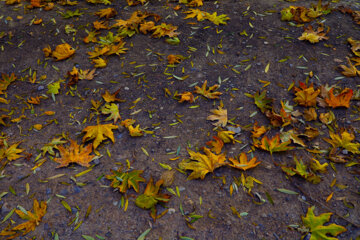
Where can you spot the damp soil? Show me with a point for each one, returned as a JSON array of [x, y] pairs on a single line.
[[253, 37]]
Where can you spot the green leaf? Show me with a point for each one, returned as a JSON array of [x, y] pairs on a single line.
[[262, 102], [143, 235], [317, 229], [88, 237], [151, 195], [125, 180]]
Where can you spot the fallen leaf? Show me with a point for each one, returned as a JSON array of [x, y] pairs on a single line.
[[273, 145], [344, 140], [306, 96], [113, 110], [186, 96], [243, 163], [63, 51], [216, 144], [10, 152], [316, 226], [310, 114], [258, 131], [124, 180], [107, 13], [74, 154], [99, 133], [340, 100], [208, 93], [219, 115], [108, 97], [201, 164], [314, 36]]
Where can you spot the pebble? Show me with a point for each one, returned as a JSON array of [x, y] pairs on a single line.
[[48, 191], [303, 198], [168, 150], [126, 88], [115, 203], [64, 192], [76, 189], [118, 136], [108, 234], [41, 87], [74, 209], [4, 209], [171, 211], [96, 161], [345, 152], [181, 188]]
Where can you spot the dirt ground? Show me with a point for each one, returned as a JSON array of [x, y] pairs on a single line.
[[253, 48]]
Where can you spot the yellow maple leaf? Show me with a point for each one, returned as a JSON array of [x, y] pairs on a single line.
[[135, 131], [127, 122], [344, 140], [107, 13], [99, 133], [208, 93], [47, 51], [306, 96], [34, 219], [258, 131], [63, 51], [108, 97], [192, 13], [146, 26], [227, 136], [314, 36], [350, 71], [98, 25], [217, 20], [202, 164], [219, 115], [163, 30], [74, 154], [340, 100], [243, 163], [113, 110], [10, 152], [99, 62]]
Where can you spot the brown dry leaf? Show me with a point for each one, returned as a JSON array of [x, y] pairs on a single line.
[[311, 132], [306, 96], [195, 3], [208, 93], [355, 46], [243, 163], [340, 100], [201, 164], [33, 220], [186, 96], [74, 154], [310, 114], [279, 120], [35, 100], [327, 118], [314, 36], [63, 51], [107, 13], [172, 59], [219, 115], [111, 97], [216, 144], [99, 133]]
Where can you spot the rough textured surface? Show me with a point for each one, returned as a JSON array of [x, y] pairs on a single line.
[[269, 44]]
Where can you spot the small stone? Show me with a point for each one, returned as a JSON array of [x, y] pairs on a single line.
[[74, 209], [4, 209], [108, 234], [48, 191], [126, 88], [181, 188], [345, 152], [115, 203], [96, 161], [348, 121], [76, 189], [64, 192], [40, 88], [168, 150], [171, 211], [303, 198]]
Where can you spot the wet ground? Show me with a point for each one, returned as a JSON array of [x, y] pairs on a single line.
[[255, 48]]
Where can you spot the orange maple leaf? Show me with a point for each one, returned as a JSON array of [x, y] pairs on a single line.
[[186, 96], [208, 93], [341, 100], [306, 96], [111, 97], [201, 164], [62, 51], [243, 163], [74, 154], [107, 13], [216, 144], [258, 131], [34, 219], [273, 145], [164, 30]]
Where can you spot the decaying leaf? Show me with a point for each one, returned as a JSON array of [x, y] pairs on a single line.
[[219, 115], [243, 163], [216, 144], [262, 102], [74, 154], [50, 147], [108, 97], [163, 30], [192, 13], [125, 180], [227, 136], [350, 71], [258, 131], [107, 13], [301, 170], [201, 164], [315, 225], [151, 197], [113, 110], [314, 36], [186, 96], [99, 133], [273, 145], [208, 93], [33, 220]]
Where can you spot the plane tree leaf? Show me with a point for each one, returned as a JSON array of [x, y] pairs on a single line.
[[74, 154], [99, 133], [125, 180]]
